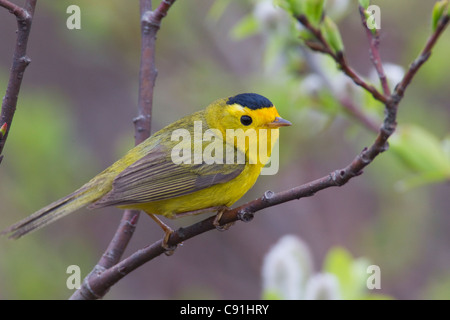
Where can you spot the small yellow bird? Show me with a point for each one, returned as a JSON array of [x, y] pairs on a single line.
[[164, 176]]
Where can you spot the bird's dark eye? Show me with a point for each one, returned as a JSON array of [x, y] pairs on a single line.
[[246, 120]]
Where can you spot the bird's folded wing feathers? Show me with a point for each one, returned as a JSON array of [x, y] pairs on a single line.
[[155, 177]]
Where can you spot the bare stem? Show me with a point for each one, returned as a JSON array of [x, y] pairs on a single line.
[[356, 112], [423, 57], [19, 12], [322, 45], [20, 61], [374, 43], [346, 102]]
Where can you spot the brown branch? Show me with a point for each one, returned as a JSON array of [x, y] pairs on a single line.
[[269, 199], [322, 45], [19, 12], [423, 57], [346, 102], [150, 24], [356, 112], [357, 80], [20, 61], [374, 43]]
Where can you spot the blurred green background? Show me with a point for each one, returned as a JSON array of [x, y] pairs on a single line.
[[74, 118]]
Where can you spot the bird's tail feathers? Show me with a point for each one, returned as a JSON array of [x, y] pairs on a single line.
[[52, 212]]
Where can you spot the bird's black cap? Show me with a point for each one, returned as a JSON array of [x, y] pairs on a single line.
[[250, 100]]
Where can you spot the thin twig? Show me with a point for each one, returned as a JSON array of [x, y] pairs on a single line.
[[19, 12], [322, 45], [374, 43], [150, 24], [346, 102], [245, 212], [423, 57], [20, 61], [356, 112]]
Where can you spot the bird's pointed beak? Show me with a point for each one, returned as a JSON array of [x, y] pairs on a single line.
[[279, 122]]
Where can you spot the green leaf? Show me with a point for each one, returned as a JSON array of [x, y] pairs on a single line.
[[364, 3], [314, 11], [271, 295], [331, 33], [248, 26], [351, 273], [371, 22], [438, 10], [418, 180], [306, 35], [421, 151], [217, 9], [295, 7]]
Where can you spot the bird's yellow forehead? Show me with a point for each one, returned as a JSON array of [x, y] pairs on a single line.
[[259, 116]]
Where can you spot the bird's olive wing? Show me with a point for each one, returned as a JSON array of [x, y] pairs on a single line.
[[156, 177]]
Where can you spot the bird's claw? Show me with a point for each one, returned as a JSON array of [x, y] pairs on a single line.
[[217, 224], [169, 250]]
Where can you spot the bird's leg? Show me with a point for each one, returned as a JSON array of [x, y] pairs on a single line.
[[167, 231], [216, 222]]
